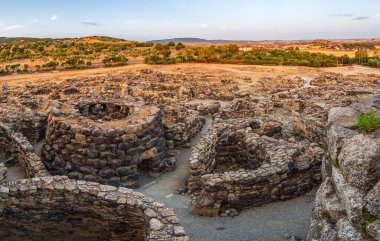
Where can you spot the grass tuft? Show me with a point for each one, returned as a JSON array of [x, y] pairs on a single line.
[[367, 123]]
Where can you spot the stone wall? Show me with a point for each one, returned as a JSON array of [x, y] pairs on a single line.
[[3, 173], [20, 150], [347, 205], [23, 120], [180, 125], [311, 128], [103, 145], [47, 207], [246, 108], [202, 160], [205, 109], [258, 168]]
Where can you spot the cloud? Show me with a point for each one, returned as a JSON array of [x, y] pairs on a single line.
[[54, 17], [350, 15], [361, 18], [35, 20], [89, 24], [13, 26], [345, 15]]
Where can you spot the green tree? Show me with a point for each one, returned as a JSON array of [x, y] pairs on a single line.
[[180, 46]]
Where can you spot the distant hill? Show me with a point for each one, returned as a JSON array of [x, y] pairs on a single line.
[[89, 39], [101, 39], [14, 39], [190, 40]]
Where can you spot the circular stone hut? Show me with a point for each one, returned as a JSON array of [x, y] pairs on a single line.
[[245, 163], [104, 140]]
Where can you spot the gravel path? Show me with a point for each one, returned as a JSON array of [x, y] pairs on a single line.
[[269, 222]]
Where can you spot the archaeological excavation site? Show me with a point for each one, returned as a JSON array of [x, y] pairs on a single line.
[[184, 152]]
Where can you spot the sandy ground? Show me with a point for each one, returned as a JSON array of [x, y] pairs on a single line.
[[252, 71]]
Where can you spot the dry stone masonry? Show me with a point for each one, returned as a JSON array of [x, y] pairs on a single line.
[[18, 149], [245, 162], [180, 125], [66, 209], [104, 140], [99, 134]]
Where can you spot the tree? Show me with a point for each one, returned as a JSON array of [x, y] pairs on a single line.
[[180, 46], [26, 66], [158, 47], [165, 52], [361, 56]]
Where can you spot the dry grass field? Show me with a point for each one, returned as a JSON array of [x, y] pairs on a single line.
[[251, 73]]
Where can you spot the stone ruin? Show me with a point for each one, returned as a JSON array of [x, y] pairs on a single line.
[[180, 125], [53, 206], [260, 149], [41, 206], [245, 163], [104, 140], [17, 150]]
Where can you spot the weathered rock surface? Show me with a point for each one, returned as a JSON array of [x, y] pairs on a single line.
[[347, 205]]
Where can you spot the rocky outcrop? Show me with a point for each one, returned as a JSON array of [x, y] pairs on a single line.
[[347, 205]]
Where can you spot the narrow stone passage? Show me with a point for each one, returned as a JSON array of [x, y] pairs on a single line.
[[271, 222], [170, 182]]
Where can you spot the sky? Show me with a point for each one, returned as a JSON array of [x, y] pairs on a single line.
[[145, 20]]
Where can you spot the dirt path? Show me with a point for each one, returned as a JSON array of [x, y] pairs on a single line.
[[170, 182]]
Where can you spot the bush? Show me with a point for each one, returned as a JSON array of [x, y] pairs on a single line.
[[367, 123]]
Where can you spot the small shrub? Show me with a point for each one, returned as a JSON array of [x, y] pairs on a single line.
[[367, 220], [367, 123], [370, 218], [318, 232], [326, 216]]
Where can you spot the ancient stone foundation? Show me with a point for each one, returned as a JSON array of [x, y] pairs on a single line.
[[106, 141], [22, 119], [347, 205], [57, 208], [245, 163], [18, 150], [180, 125]]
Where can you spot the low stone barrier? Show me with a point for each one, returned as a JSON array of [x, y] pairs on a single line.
[[21, 151], [47, 207]]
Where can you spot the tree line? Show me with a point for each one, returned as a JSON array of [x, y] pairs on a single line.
[[231, 54]]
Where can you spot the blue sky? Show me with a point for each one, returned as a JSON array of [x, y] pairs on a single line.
[[212, 19]]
